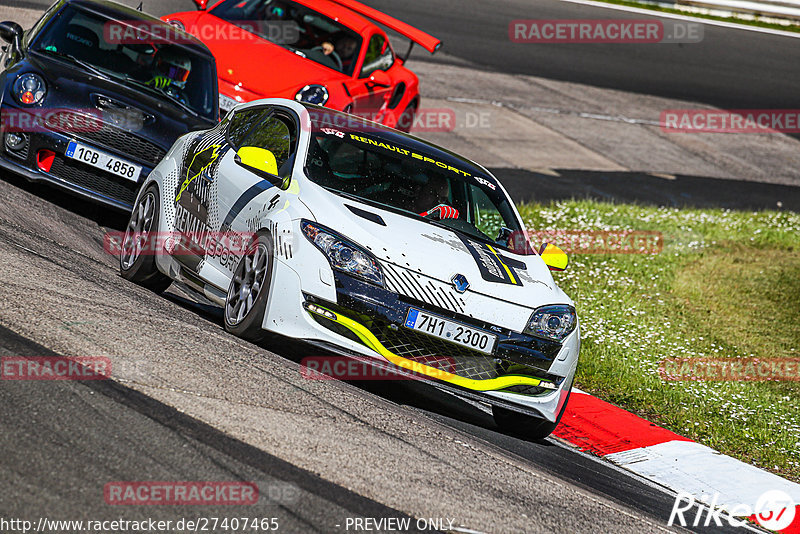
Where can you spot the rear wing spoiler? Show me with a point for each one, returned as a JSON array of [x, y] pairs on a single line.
[[428, 42]]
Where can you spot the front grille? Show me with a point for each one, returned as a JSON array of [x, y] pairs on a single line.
[[455, 359], [422, 288], [96, 180], [123, 142]]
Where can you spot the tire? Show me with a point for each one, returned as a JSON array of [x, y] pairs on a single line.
[[526, 426], [133, 265], [406, 119], [244, 314]]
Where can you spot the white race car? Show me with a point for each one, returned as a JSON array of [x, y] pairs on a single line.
[[367, 242]]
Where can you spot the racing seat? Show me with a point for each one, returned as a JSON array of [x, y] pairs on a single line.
[[80, 41]]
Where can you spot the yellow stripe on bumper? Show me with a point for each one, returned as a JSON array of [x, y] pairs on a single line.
[[369, 339]]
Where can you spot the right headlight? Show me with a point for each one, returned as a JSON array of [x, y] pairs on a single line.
[[343, 255], [552, 322]]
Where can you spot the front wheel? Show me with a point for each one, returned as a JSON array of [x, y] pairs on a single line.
[[524, 425], [246, 302], [137, 261]]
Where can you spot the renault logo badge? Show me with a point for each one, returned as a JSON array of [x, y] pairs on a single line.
[[460, 282]]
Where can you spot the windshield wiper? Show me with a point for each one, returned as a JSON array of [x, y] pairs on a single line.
[[88, 66]]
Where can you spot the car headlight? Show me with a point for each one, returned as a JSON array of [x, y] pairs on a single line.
[[313, 94], [343, 254], [29, 88], [177, 23], [552, 322]]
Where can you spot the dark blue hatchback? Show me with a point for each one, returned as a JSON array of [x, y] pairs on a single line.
[[95, 94]]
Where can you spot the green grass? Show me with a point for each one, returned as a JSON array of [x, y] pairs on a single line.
[[726, 285], [794, 27]]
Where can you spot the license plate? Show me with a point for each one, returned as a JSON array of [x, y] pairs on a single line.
[[226, 103], [102, 160], [452, 331]]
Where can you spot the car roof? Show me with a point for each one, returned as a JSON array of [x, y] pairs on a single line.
[[118, 11], [396, 137]]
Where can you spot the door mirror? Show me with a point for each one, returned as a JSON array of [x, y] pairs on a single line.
[[261, 162], [201, 4], [555, 258], [380, 78], [11, 32]]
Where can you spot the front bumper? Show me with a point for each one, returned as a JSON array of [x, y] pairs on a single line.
[[516, 374], [76, 177]]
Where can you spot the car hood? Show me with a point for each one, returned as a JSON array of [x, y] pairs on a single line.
[[262, 67], [405, 244], [72, 88]]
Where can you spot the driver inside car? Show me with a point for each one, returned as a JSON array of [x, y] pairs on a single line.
[[171, 70], [433, 200], [344, 49]]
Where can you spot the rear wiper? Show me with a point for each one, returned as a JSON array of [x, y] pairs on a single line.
[[88, 66]]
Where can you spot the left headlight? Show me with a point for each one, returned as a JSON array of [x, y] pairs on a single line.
[[343, 254], [552, 322], [313, 94], [29, 88]]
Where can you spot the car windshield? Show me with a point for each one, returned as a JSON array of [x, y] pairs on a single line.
[[414, 183], [135, 58], [296, 27]]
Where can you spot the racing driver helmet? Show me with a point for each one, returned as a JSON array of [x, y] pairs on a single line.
[[174, 66]]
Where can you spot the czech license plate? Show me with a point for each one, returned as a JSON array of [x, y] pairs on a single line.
[[102, 160], [452, 331], [226, 103]]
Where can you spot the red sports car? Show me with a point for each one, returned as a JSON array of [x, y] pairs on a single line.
[[332, 54]]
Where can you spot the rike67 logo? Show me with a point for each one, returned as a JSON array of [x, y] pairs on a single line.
[[774, 510]]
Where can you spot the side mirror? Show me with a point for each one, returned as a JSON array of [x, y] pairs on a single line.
[[11, 32], [380, 78], [261, 162], [555, 258], [201, 4]]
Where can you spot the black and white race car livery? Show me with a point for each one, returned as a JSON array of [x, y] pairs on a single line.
[[368, 242]]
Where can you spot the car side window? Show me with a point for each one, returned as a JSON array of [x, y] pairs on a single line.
[[41, 23], [243, 122], [274, 135], [265, 128], [378, 56]]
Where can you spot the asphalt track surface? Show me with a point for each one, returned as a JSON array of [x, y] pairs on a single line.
[[61, 441], [733, 69], [729, 68]]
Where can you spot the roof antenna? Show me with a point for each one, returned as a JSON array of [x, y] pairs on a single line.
[[140, 6]]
